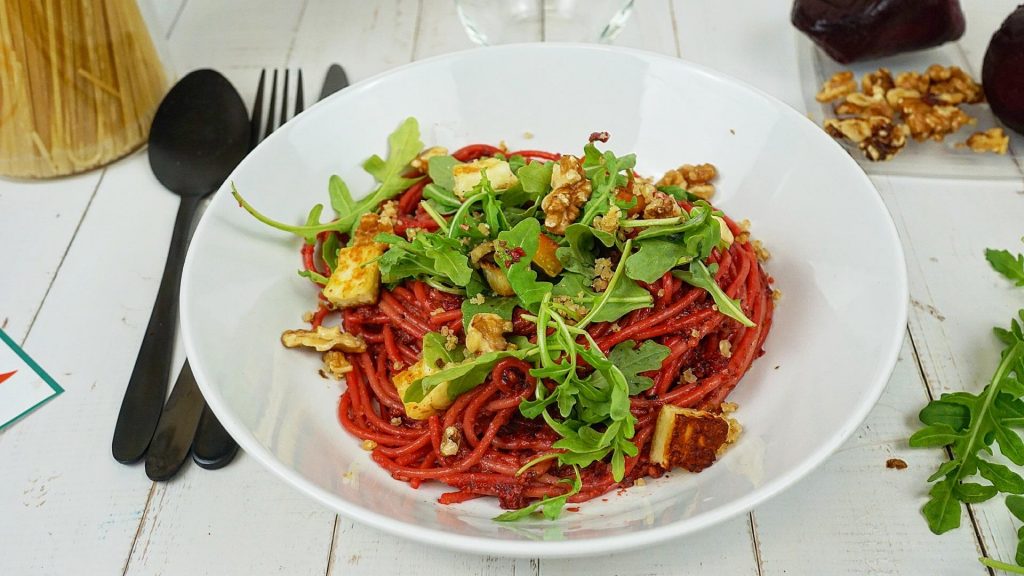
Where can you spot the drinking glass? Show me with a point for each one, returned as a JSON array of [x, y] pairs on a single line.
[[490, 22]]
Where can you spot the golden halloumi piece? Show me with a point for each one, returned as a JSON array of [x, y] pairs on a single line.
[[499, 174], [691, 439], [434, 402], [356, 279]]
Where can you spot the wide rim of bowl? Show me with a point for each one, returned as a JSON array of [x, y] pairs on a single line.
[[581, 547]]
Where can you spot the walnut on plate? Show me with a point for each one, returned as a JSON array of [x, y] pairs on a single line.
[[839, 85], [991, 140], [324, 338], [878, 137], [695, 179]]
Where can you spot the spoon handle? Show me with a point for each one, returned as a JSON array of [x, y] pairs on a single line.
[[212, 447], [144, 397]]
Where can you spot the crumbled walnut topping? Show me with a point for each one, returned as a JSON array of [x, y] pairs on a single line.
[[336, 364], [640, 482], [661, 205], [368, 445], [569, 303], [410, 233], [725, 348], [450, 441], [776, 295], [421, 162], [689, 377], [570, 191], [609, 222], [603, 273], [762, 253], [991, 140], [307, 316], [839, 85], [450, 339], [397, 366], [484, 229], [396, 421], [694, 333], [729, 407], [437, 311], [478, 299], [616, 327], [485, 333], [388, 214], [324, 338]]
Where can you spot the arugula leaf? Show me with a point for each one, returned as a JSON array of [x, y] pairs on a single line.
[[429, 254], [521, 275], [987, 417], [444, 200], [1007, 265], [633, 361], [439, 168], [435, 351], [551, 506], [654, 258], [626, 296], [605, 173], [319, 279], [535, 178], [698, 275], [503, 307], [582, 241], [462, 376], [404, 144]]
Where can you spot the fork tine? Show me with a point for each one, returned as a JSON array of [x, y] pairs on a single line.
[[284, 100], [273, 105], [299, 97], [256, 121]]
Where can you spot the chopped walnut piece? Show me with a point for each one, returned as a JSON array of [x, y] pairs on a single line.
[[609, 222], [689, 377], [839, 85], [694, 179], [896, 464], [725, 348], [762, 253], [861, 104], [450, 339], [570, 191], [603, 273], [324, 338], [335, 364], [571, 304], [877, 137], [991, 140], [661, 205], [912, 81], [953, 85], [880, 78], [450, 441], [485, 333], [368, 445], [932, 121]]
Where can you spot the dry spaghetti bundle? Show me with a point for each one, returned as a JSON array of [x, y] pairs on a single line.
[[79, 83]]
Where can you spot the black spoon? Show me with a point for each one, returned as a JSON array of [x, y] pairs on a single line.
[[198, 136]]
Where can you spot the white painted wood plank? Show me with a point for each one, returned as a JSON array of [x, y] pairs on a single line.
[[723, 549], [752, 41], [70, 508], [956, 298], [37, 223], [238, 520], [360, 550], [855, 516]]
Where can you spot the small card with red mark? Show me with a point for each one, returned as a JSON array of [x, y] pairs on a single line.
[[24, 386]]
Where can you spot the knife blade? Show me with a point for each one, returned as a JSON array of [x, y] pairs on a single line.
[[176, 427], [335, 80], [213, 447]]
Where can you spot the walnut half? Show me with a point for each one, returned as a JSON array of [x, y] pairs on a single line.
[[695, 179], [322, 339], [877, 136], [570, 190], [991, 140]]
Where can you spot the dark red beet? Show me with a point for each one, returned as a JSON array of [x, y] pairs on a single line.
[[1002, 74], [851, 30]]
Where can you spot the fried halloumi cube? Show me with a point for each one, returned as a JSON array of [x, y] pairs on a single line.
[[468, 175], [356, 279], [691, 439], [434, 402]]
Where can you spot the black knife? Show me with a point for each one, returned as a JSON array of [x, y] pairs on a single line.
[[176, 428], [213, 447]]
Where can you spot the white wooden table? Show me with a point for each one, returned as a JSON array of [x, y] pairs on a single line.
[[81, 257]]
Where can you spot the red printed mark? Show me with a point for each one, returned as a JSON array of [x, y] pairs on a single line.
[[6, 376]]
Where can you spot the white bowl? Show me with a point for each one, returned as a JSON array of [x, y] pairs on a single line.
[[836, 258]]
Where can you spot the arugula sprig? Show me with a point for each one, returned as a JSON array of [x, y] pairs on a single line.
[[551, 506], [1006, 264], [403, 146], [606, 172]]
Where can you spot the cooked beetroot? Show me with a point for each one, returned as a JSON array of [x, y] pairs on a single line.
[[851, 30], [1002, 74]]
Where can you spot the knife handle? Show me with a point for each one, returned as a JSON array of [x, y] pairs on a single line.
[[177, 427], [213, 447]]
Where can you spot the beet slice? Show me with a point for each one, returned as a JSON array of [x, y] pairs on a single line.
[[1002, 73], [852, 30]]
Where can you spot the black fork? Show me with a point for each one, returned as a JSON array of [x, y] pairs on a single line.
[[213, 447]]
